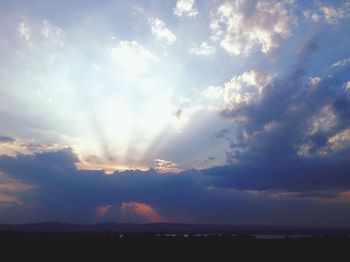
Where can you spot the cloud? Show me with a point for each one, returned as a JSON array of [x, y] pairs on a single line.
[[203, 49], [133, 57], [11, 147], [347, 85], [9, 199], [241, 90], [341, 63], [38, 33], [296, 175], [281, 123], [240, 26], [291, 133], [6, 139], [102, 211], [258, 192], [8, 184], [140, 212], [160, 31], [23, 30], [283, 117], [11, 190], [166, 166], [134, 212], [329, 14], [60, 190], [51, 32], [340, 140], [314, 81], [292, 137], [185, 8]]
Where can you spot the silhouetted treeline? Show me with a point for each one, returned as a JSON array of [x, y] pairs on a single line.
[[172, 228], [115, 247]]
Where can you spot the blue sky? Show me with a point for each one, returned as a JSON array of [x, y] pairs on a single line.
[[183, 111]]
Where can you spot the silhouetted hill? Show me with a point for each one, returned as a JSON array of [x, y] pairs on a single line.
[[171, 228], [141, 242]]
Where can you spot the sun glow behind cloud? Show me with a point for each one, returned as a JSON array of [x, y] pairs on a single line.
[[112, 107], [134, 211]]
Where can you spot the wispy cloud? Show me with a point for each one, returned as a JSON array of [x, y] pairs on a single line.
[[160, 31], [203, 49], [329, 14], [341, 63]]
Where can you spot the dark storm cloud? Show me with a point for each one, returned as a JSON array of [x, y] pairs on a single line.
[[270, 152], [288, 140], [290, 175], [61, 192], [65, 192], [288, 105], [278, 124]]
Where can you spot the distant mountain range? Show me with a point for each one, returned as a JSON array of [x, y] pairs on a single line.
[[170, 228]]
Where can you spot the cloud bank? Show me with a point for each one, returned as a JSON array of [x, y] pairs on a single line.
[[47, 186]]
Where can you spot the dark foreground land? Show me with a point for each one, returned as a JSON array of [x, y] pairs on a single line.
[[70, 246]]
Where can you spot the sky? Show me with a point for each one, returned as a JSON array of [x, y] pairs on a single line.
[[223, 112]]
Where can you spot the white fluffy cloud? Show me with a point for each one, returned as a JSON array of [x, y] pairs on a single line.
[[241, 90], [240, 26], [160, 31], [203, 49], [185, 8]]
